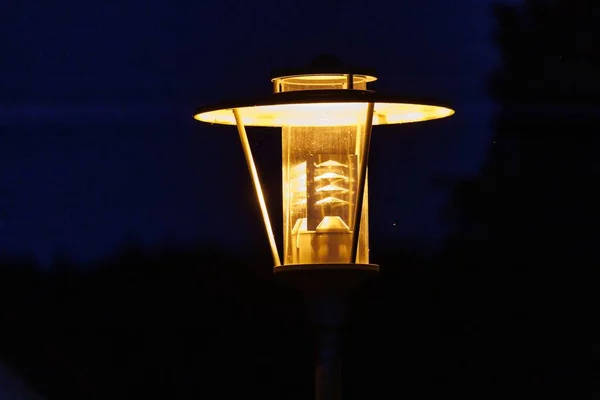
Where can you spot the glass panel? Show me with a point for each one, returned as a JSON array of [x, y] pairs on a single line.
[[362, 253], [320, 82], [320, 182]]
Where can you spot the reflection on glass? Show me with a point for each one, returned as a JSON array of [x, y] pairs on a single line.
[[321, 144], [320, 174]]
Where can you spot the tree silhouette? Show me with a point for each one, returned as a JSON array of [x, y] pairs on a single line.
[[175, 322], [536, 193], [530, 218]]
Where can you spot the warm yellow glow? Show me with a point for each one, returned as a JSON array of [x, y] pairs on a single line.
[[299, 168], [257, 187], [325, 77], [325, 114], [330, 200], [325, 122], [330, 163], [321, 81], [320, 172], [330, 175], [331, 188], [333, 224]]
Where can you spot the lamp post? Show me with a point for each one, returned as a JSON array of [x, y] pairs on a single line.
[[325, 113]]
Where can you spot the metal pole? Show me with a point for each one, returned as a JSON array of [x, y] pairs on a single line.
[[256, 181], [328, 374], [364, 160], [349, 81]]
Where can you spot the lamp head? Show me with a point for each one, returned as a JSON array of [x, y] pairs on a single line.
[[325, 112]]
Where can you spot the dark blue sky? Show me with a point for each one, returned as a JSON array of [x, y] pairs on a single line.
[[97, 141]]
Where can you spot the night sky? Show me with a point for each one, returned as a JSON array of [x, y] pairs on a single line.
[[97, 142]]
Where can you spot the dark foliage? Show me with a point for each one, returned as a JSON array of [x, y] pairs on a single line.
[[529, 222], [167, 323], [193, 323], [536, 190]]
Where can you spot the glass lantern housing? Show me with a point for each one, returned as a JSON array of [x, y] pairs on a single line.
[[321, 165], [325, 119]]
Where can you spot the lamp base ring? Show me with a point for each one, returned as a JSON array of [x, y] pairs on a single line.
[[325, 267]]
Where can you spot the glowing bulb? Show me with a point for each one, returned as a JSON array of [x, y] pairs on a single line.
[[331, 188], [330, 175], [330, 200], [299, 168], [331, 163]]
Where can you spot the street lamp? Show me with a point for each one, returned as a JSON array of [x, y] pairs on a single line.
[[326, 114]]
